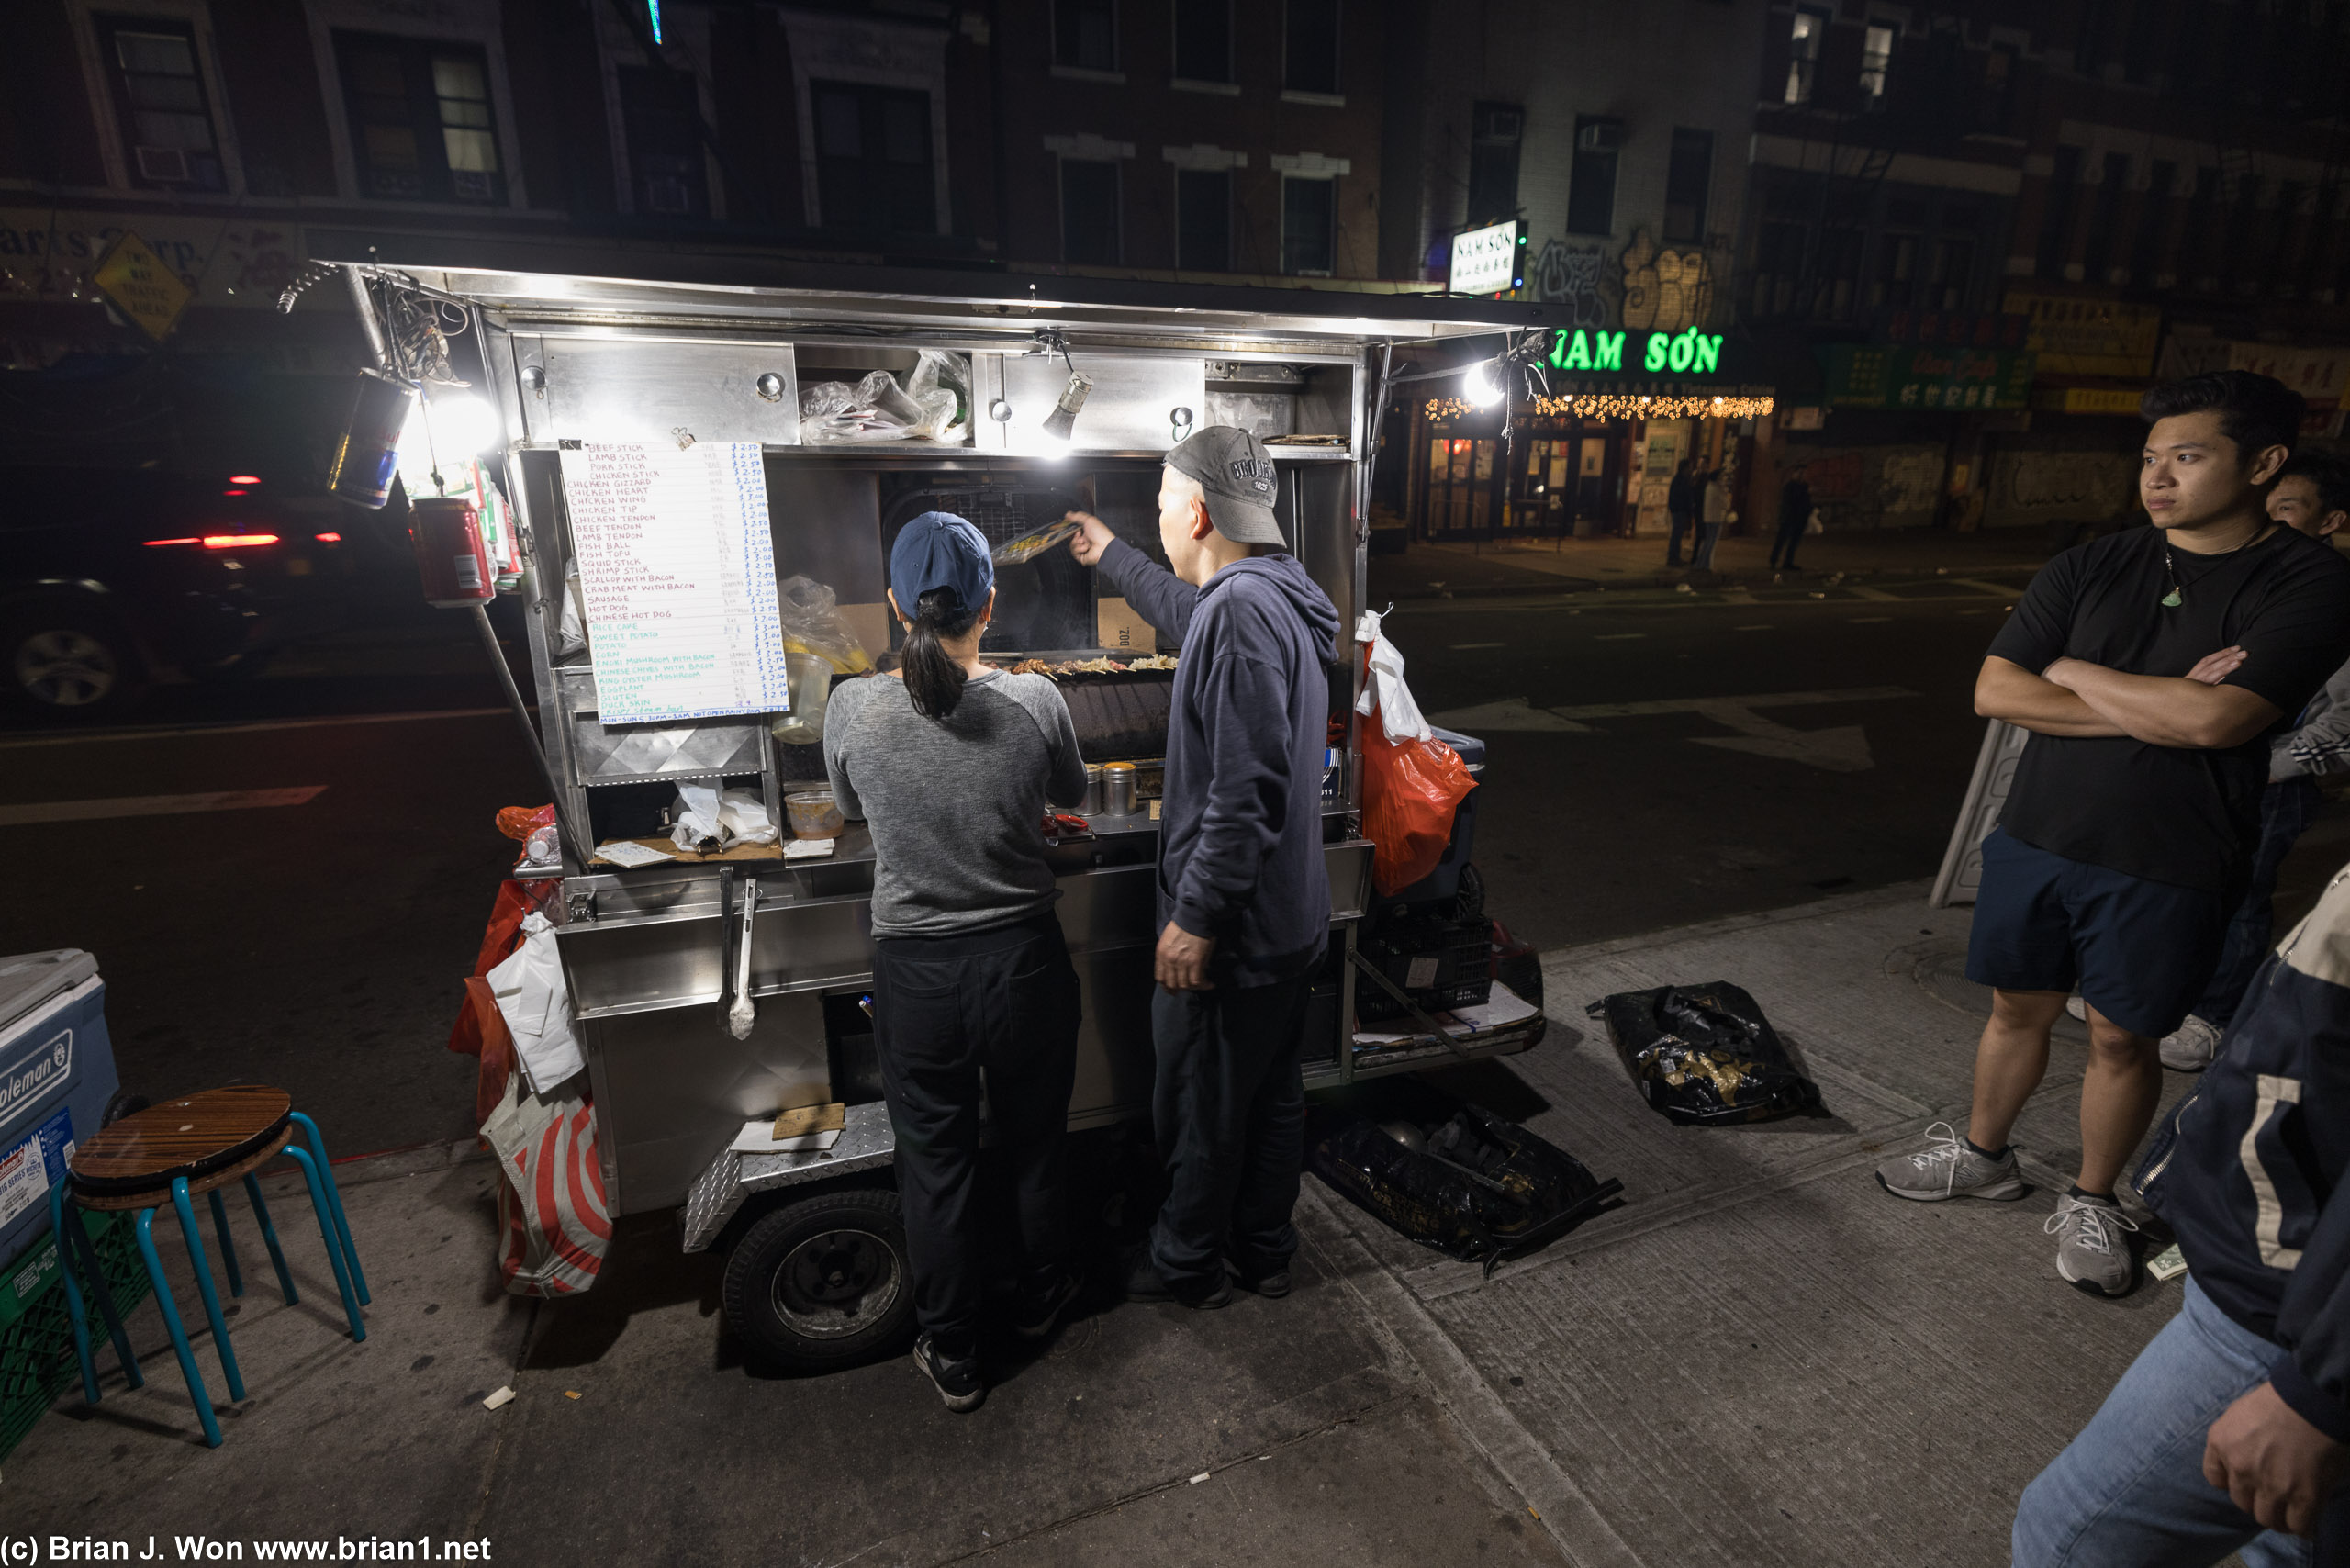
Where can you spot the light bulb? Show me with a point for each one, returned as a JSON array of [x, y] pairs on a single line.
[[1480, 387]]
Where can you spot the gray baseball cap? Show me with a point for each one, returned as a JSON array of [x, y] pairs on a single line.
[[1237, 472]]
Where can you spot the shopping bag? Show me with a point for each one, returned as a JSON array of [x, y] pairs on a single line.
[[552, 1226], [536, 1006], [1412, 782]]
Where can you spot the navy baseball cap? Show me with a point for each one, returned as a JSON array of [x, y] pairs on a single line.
[[939, 549]]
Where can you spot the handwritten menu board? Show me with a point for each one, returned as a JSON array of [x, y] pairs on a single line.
[[676, 573]]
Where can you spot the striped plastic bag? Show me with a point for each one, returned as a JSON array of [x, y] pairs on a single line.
[[552, 1221]]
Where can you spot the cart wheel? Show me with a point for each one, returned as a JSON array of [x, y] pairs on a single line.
[[824, 1281], [1471, 898]]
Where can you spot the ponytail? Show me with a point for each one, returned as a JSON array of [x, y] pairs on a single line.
[[934, 680]]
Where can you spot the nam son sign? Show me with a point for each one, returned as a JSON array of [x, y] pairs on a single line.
[[1689, 352]]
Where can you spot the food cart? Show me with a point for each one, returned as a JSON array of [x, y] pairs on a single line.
[[646, 359]]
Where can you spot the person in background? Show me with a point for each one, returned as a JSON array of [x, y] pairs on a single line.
[[2312, 496], [1795, 517], [2151, 667], [1244, 898], [2230, 1431], [1715, 513], [951, 765], [1680, 505]]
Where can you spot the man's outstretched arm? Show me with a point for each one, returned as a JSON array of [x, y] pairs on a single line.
[[2192, 711], [2007, 690]]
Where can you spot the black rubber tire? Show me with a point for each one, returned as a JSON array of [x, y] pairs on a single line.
[[792, 1267], [1522, 972], [121, 1104], [68, 661]]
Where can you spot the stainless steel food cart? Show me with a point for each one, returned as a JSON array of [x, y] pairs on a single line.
[[650, 349]]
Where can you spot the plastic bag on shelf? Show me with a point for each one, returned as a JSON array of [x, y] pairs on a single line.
[[941, 382], [743, 815], [812, 624]]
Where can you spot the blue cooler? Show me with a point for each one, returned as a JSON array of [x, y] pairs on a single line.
[[56, 1076], [1445, 880]]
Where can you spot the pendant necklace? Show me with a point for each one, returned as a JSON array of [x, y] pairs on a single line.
[[2177, 596]]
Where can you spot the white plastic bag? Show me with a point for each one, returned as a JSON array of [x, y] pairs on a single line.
[[554, 1225], [1399, 715], [743, 814], [536, 1006], [694, 823]]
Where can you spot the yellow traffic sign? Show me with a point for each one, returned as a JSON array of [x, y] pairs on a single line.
[[140, 285]]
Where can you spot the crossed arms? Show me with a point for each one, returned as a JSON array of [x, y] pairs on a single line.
[[2073, 697]]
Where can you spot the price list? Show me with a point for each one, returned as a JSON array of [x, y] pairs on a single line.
[[677, 573]]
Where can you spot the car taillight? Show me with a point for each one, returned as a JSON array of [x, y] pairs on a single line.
[[151, 543], [328, 538], [237, 541]]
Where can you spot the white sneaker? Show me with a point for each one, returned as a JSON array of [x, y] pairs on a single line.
[[1946, 1167], [2093, 1251], [2191, 1047], [2076, 1007]]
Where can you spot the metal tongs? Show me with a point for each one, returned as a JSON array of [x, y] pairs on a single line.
[[735, 1007], [1029, 546]]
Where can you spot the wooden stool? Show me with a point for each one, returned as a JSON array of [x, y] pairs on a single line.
[[170, 1153]]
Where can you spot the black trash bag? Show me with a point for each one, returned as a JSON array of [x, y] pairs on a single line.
[[1451, 1175], [1705, 1054]]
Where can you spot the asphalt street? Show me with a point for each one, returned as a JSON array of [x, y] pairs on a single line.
[[285, 880]]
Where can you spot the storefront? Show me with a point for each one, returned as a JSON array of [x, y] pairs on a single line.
[[1594, 452]]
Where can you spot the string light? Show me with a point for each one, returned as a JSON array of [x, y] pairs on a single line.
[[1623, 406]]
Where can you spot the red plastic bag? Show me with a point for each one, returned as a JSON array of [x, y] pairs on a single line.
[[1410, 789], [480, 1030]]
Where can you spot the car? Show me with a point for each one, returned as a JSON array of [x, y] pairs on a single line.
[[111, 580]]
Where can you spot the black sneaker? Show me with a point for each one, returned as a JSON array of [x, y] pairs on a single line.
[[1038, 1311], [1272, 1284], [957, 1382], [1146, 1283]]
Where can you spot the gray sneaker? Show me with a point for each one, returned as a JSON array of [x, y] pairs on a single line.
[[1946, 1167], [2191, 1047], [2093, 1251]]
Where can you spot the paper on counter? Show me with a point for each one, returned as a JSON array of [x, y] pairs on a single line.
[[806, 848], [1504, 1008], [758, 1137], [621, 852]]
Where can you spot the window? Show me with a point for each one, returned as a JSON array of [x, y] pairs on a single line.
[[2145, 258], [1687, 181], [1203, 220], [873, 167], [1309, 226], [1085, 34], [1494, 129], [1778, 266], [420, 125], [1876, 57], [1809, 30], [1203, 40], [2105, 218], [661, 112], [1897, 269], [1310, 47], [1948, 284], [1591, 193], [1994, 107], [2056, 220], [159, 99], [1089, 212]]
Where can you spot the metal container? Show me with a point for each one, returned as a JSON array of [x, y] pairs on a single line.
[[1117, 788], [1092, 806]]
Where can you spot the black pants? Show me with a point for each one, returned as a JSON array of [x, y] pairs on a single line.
[[946, 1009], [1681, 522], [1783, 548], [1229, 1112]]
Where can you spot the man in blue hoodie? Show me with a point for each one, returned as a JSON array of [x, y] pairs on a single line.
[[1244, 899]]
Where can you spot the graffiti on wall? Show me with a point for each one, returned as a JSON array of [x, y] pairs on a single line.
[[1665, 290], [2033, 486], [1570, 275], [1906, 481]]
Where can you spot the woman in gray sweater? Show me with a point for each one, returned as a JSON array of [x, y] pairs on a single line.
[[951, 764]]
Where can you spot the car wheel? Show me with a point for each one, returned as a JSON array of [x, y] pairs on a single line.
[[822, 1282], [67, 662]]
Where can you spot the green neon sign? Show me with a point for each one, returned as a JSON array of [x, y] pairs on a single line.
[[1688, 352]]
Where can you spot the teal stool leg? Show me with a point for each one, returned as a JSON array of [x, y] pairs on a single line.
[[227, 1247], [334, 1202], [195, 1237], [269, 1235], [326, 1231], [79, 1249], [73, 1293], [196, 1389]]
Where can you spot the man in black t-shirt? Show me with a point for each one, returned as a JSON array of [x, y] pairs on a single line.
[[2149, 667]]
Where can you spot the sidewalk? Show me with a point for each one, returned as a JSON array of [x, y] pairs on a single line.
[[1468, 570], [1761, 1358]]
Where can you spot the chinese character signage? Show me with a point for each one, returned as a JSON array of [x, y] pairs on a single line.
[[1870, 375], [1484, 260], [2088, 337]]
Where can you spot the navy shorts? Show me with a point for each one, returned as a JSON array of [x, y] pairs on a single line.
[[2140, 952]]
